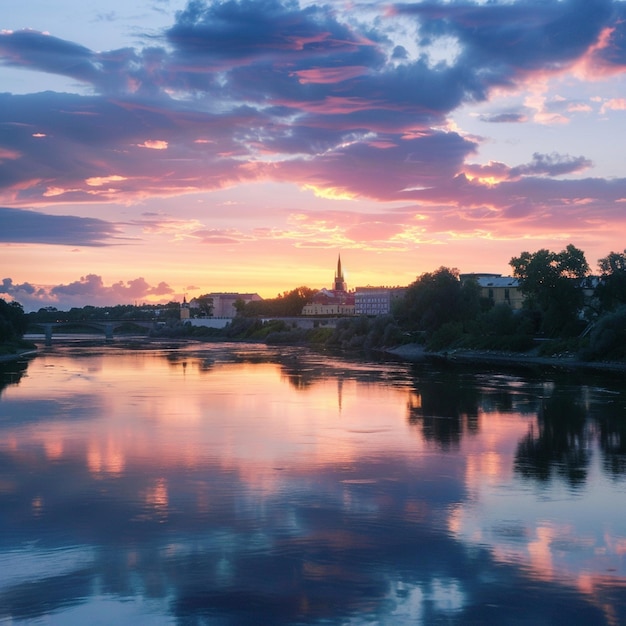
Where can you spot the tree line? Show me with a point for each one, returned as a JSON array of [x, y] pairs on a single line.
[[13, 324], [563, 304]]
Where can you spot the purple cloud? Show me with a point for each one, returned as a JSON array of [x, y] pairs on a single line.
[[504, 118], [241, 90], [89, 289], [505, 38], [19, 226], [551, 165]]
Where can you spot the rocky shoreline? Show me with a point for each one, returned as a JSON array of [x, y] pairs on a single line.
[[416, 353]]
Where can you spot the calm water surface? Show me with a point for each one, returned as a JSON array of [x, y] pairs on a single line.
[[236, 484]]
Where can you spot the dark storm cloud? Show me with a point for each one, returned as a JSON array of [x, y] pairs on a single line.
[[18, 226]]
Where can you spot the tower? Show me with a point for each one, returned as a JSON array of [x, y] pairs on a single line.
[[184, 309], [340, 283]]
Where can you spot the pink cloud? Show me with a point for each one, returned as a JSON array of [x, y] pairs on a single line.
[[326, 75], [154, 144], [614, 104]]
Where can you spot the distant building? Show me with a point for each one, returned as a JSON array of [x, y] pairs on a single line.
[[224, 303], [185, 312], [376, 300], [590, 285], [498, 289], [335, 301]]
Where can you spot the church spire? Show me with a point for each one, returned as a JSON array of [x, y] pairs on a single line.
[[340, 283]]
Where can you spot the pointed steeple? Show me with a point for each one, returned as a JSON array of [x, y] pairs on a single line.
[[340, 283]]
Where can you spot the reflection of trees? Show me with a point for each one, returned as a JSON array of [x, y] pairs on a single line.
[[11, 373], [301, 367], [299, 374], [611, 431], [561, 445], [445, 406], [612, 435]]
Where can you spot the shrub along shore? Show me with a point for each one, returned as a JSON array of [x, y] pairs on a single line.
[[382, 335]]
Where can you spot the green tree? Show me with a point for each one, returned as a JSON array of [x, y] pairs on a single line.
[[240, 306], [205, 305], [611, 291], [287, 304], [438, 298], [607, 339], [13, 321], [551, 282]]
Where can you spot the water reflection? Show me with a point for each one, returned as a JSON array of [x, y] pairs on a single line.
[[561, 445], [12, 372], [245, 486], [445, 406]]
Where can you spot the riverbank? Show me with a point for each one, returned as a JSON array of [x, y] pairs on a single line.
[[416, 353], [13, 352]]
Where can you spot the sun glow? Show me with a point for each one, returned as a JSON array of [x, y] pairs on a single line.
[[489, 181], [330, 193]]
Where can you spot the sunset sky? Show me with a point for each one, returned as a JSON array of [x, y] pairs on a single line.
[[158, 148]]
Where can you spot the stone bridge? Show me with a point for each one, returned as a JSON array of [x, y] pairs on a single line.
[[107, 327]]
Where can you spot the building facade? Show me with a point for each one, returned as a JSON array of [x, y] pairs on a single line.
[[498, 289], [224, 303], [373, 301]]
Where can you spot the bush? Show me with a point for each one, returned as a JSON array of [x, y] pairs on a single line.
[[288, 337], [319, 336], [445, 337], [607, 340]]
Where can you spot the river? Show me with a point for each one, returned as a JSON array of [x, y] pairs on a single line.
[[233, 484]]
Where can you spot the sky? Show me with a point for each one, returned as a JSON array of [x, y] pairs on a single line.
[[157, 149]]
